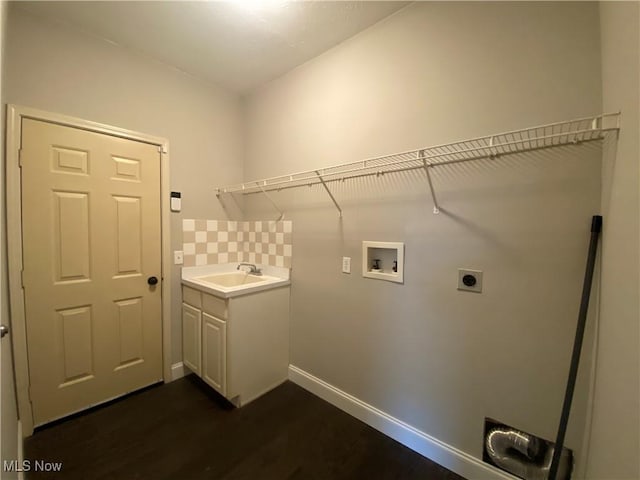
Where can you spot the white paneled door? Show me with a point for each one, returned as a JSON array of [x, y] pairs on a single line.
[[92, 266]]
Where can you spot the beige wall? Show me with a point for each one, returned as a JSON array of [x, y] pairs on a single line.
[[60, 70], [615, 445], [9, 420], [436, 358]]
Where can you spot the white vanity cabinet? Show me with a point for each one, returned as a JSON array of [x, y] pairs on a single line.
[[239, 346]]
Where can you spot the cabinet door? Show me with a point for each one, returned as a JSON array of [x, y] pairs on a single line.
[[214, 353], [191, 342]]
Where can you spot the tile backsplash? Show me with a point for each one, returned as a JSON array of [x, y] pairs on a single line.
[[209, 242]]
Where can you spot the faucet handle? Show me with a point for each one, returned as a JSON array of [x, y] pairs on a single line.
[[252, 268]]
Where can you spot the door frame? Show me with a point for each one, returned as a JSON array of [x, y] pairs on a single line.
[[15, 115]]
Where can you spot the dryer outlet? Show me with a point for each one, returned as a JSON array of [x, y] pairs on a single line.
[[470, 280]]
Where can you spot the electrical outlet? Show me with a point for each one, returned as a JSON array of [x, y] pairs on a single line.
[[346, 264], [178, 257], [470, 280]]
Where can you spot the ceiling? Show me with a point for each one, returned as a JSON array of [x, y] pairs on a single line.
[[238, 45]]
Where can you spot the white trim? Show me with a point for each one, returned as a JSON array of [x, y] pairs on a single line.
[[178, 370], [449, 457], [15, 114], [14, 263], [20, 450], [65, 120], [167, 258]]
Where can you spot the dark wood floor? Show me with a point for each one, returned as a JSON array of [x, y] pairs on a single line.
[[183, 431]]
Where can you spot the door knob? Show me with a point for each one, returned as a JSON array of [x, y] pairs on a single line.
[[152, 280], [3, 330]]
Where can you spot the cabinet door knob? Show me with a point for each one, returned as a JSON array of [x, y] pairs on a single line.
[[152, 280], [4, 330]]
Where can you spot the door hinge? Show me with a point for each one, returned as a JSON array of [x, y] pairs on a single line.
[[20, 158], [29, 393], [22, 278], [163, 149]]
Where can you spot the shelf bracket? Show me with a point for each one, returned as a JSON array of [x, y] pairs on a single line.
[[219, 197], [427, 169], [493, 152], [228, 206], [333, 199], [272, 202]]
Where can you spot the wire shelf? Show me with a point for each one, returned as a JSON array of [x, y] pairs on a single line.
[[508, 143]]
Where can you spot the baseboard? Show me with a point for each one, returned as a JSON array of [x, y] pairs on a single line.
[[177, 371], [449, 457]]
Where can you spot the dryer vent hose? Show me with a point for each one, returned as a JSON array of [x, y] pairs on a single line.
[[524, 455]]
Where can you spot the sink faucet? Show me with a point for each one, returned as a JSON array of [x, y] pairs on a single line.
[[252, 268]]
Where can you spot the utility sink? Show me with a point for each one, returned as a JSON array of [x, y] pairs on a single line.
[[226, 281], [232, 279]]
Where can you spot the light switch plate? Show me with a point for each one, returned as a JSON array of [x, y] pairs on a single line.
[[178, 257], [346, 264], [470, 280]]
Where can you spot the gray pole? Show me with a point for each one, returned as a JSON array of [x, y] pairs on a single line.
[[596, 227]]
